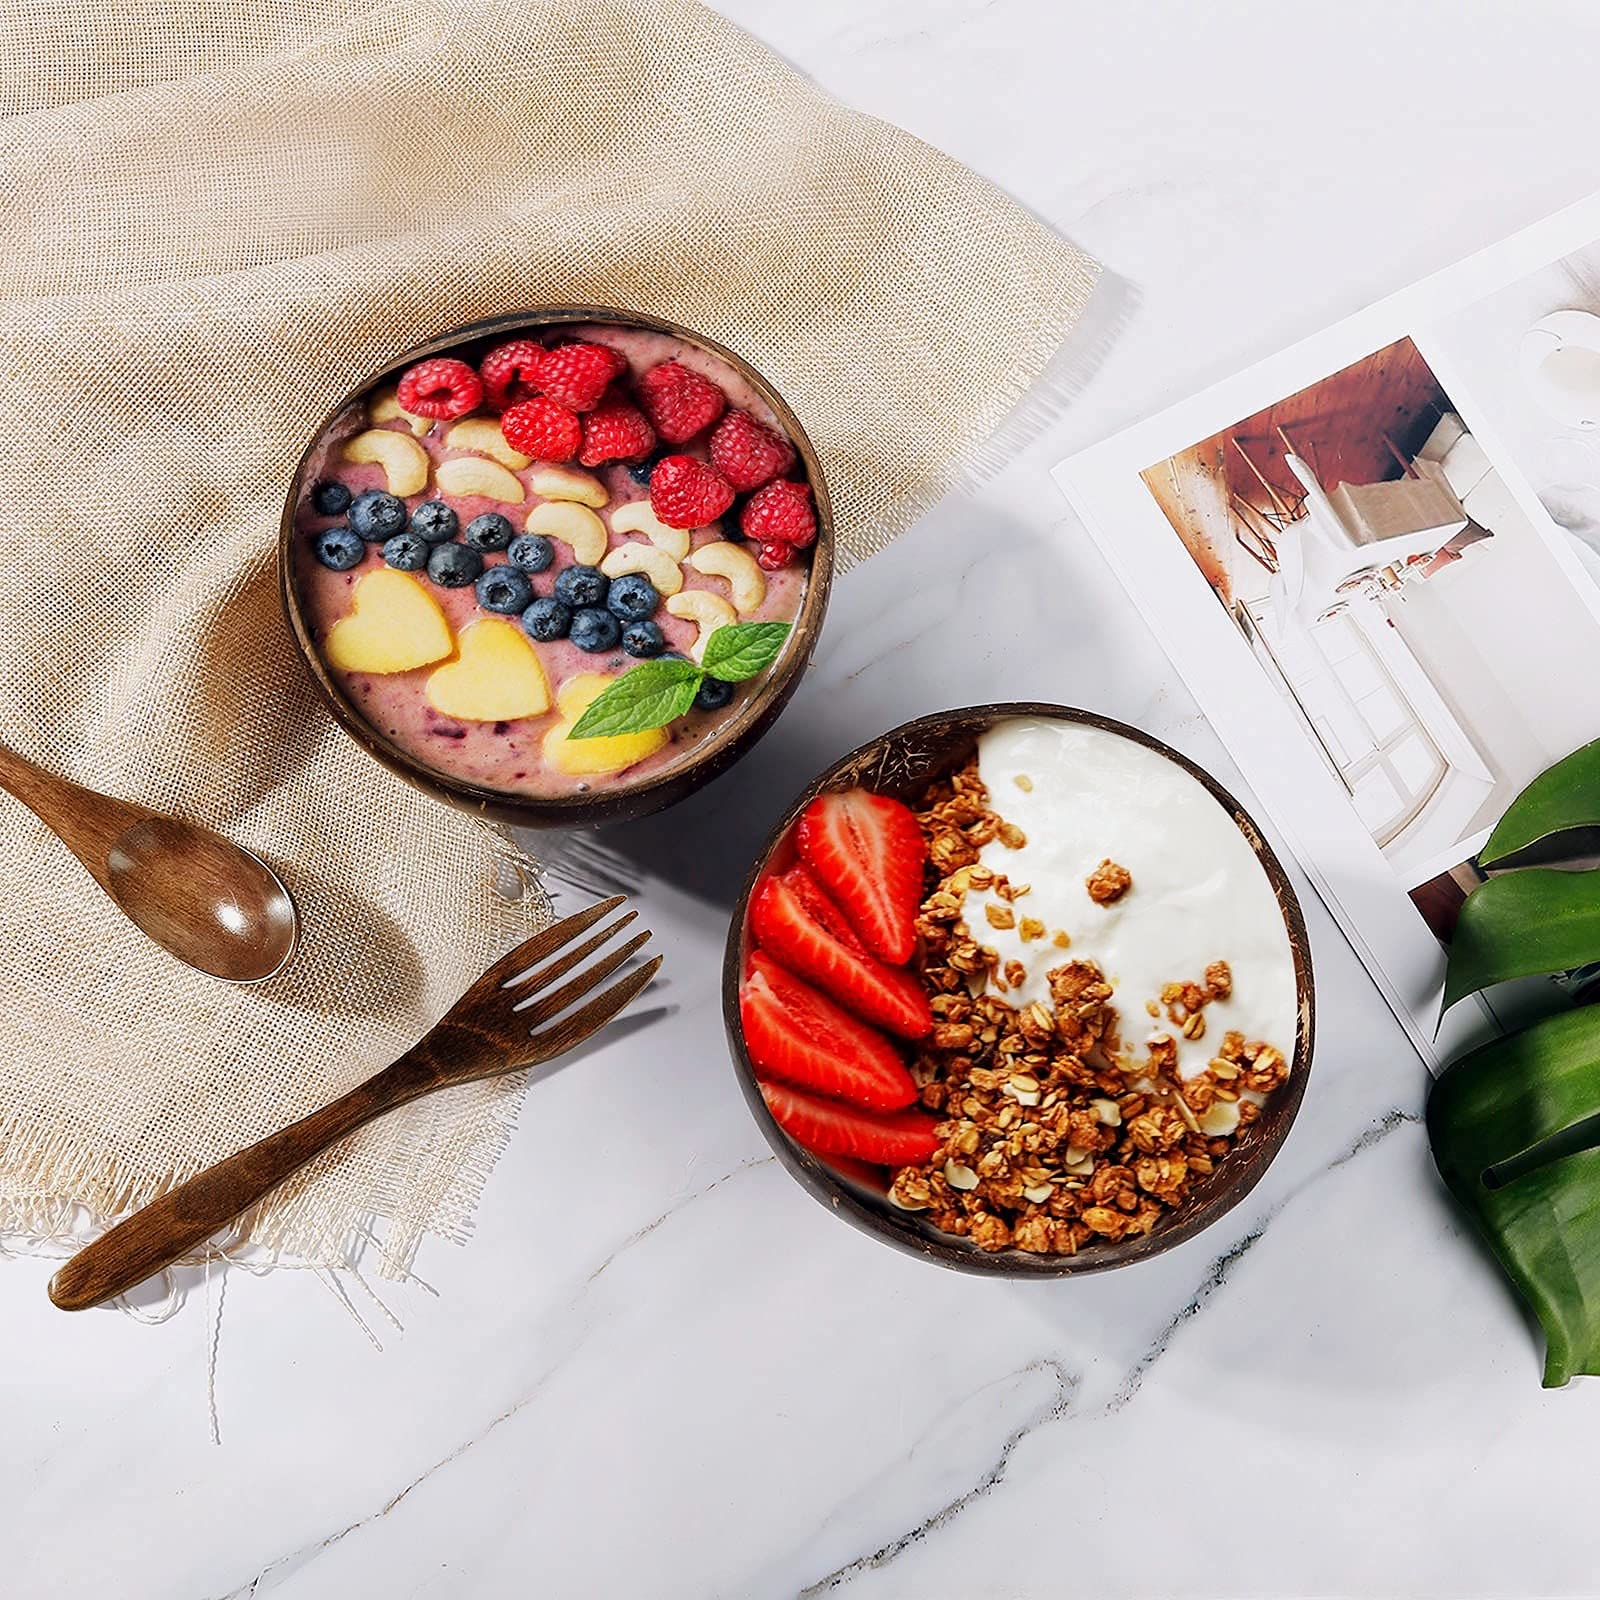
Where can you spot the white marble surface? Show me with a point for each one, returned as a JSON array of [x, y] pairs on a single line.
[[661, 1369]]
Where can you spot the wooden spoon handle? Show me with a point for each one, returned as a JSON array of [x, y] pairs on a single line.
[[84, 821], [41, 792], [181, 1219]]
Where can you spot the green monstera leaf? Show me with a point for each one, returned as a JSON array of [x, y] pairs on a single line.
[[1515, 1127], [1565, 797], [1523, 923]]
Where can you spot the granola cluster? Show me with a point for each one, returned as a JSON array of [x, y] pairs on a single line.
[[1108, 882], [1056, 1131]]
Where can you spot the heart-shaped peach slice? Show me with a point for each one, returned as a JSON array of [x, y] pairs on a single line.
[[591, 757], [495, 678], [396, 625]]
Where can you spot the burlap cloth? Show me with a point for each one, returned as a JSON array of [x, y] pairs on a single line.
[[215, 218]]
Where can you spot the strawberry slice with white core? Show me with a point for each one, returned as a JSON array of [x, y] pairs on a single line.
[[798, 1034], [820, 908], [785, 927], [889, 1139], [868, 852]]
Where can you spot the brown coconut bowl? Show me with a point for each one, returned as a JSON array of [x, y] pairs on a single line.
[[715, 755], [901, 763]]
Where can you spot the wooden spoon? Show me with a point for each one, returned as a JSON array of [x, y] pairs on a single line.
[[210, 902]]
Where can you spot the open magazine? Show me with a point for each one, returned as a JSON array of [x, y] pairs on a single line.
[[1375, 560]]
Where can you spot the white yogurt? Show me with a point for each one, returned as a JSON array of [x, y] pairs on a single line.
[[1199, 892]]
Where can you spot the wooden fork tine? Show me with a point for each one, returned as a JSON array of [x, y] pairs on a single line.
[[541, 1011], [546, 942], [568, 959], [599, 1011]]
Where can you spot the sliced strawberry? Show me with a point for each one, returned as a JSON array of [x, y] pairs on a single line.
[[794, 1033], [888, 996], [892, 1139], [820, 908], [868, 852]]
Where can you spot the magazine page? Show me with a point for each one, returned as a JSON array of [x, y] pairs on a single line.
[[1375, 560]]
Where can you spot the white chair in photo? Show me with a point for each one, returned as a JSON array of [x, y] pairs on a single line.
[[1355, 531]]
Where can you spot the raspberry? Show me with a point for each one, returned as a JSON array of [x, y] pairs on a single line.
[[542, 429], [576, 375], [442, 387], [686, 493], [781, 511], [510, 372], [775, 555], [679, 402], [615, 431], [747, 454]]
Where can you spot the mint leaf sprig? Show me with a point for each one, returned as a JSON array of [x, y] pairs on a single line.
[[655, 693]]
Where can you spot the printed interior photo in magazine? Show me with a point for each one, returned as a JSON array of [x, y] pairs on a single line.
[[1399, 599]]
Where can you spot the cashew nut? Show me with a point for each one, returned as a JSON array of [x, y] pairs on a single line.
[[404, 461], [747, 583], [637, 517], [573, 525], [483, 435], [385, 407], [467, 475], [553, 482], [709, 611], [655, 564]]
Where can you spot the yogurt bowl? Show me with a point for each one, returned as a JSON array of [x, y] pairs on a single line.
[[565, 500], [1092, 1039]]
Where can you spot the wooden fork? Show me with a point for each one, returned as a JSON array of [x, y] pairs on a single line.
[[481, 1036]]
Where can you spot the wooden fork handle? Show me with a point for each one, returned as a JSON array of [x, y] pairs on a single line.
[[181, 1219]]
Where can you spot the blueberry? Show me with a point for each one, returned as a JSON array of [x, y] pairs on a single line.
[[434, 521], [595, 630], [640, 471], [632, 598], [643, 639], [491, 531], [454, 566], [546, 620], [407, 551], [581, 586], [714, 694], [330, 498], [338, 548], [531, 551], [377, 516], [506, 590]]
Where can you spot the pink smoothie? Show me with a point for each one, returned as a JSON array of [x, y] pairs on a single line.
[[507, 756]]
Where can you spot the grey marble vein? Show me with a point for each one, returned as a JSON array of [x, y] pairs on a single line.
[[1222, 1267], [309, 1552], [1056, 1407], [1216, 1276]]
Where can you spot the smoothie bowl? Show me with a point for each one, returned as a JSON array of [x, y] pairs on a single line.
[[560, 568], [1021, 991]]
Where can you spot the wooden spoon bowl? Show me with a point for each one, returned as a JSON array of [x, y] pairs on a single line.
[[901, 763], [207, 901]]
